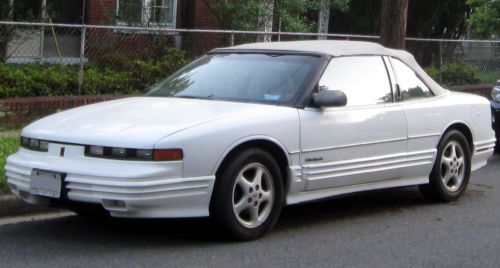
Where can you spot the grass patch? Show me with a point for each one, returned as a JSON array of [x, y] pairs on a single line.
[[8, 145]]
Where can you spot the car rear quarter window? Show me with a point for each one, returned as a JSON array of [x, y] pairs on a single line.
[[363, 79], [410, 85]]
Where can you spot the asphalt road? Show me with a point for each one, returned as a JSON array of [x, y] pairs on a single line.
[[389, 228]]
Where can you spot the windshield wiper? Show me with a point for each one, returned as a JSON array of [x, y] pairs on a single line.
[[208, 97]]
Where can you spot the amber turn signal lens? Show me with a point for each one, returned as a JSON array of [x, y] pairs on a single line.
[[168, 154]]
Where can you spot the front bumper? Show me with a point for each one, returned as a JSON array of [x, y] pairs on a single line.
[[495, 113], [132, 189]]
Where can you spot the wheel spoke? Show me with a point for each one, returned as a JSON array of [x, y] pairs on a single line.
[[460, 161], [254, 215], [446, 161], [266, 196], [241, 206], [459, 179], [244, 183], [447, 177], [453, 152], [258, 176]]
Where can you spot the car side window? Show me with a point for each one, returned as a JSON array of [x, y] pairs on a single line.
[[363, 79], [410, 85]]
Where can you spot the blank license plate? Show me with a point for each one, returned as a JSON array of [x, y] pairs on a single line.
[[46, 183]]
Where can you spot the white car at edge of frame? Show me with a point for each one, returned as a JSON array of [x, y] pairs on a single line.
[[242, 131]]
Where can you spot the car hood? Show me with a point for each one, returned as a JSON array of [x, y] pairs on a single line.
[[137, 122]]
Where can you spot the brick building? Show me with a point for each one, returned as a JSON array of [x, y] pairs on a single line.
[[184, 14], [151, 13], [34, 45]]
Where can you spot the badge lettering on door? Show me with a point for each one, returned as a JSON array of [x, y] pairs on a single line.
[[314, 159]]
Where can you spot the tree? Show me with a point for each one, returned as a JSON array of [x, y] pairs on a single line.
[[359, 17], [6, 31], [265, 20], [426, 18], [437, 19], [484, 20], [325, 10], [393, 23], [15, 11], [235, 15], [287, 15]]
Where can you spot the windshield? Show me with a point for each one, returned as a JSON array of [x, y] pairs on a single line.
[[262, 78]]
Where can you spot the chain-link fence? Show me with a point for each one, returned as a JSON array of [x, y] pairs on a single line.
[[38, 59]]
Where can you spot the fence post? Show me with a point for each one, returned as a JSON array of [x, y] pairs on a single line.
[[440, 61], [42, 32], [41, 48], [82, 58], [232, 38]]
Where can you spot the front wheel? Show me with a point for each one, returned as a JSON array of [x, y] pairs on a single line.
[[451, 172], [248, 195]]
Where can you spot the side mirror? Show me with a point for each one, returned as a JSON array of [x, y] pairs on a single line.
[[330, 98]]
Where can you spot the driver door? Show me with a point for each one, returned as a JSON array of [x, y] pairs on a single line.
[[362, 142]]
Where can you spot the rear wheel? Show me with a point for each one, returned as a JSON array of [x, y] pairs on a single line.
[[451, 172], [248, 195]]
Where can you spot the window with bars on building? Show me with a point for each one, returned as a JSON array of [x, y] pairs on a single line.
[[159, 13]]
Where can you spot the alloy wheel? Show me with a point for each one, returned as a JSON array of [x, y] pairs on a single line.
[[453, 166], [253, 195]]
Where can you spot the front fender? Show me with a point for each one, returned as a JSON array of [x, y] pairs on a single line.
[[206, 145]]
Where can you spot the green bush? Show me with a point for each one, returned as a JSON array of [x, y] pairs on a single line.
[[112, 60], [127, 77], [8, 145], [453, 74], [458, 74], [433, 72], [148, 73]]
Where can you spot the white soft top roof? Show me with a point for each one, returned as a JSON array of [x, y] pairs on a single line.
[[344, 48]]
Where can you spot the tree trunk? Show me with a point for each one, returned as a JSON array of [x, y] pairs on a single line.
[[324, 20], [266, 20], [393, 23]]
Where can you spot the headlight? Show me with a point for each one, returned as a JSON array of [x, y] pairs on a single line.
[[134, 154], [495, 93], [34, 144], [112, 152]]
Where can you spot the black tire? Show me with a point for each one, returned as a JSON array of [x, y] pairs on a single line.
[[227, 189], [437, 189]]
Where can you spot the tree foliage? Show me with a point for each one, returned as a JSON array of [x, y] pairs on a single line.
[[15, 11], [485, 18], [235, 15], [6, 31], [288, 15], [426, 18]]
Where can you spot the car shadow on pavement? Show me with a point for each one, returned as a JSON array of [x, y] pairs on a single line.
[[352, 206], [175, 233]]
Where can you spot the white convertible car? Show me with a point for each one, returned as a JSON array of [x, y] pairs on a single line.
[[245, 130]]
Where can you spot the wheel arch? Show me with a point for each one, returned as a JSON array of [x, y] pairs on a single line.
[[271, 145], [463, 128]]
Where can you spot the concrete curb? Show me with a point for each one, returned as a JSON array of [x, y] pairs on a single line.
[[13, 206]]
